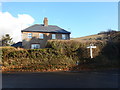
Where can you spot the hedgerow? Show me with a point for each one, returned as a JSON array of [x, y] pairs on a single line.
[[58, 54]]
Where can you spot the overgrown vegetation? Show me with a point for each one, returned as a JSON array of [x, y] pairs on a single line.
[[63, 55]]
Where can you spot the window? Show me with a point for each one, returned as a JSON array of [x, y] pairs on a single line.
[[63, 36], [41, 36], [53, 36], [29, 35], [35, 46]]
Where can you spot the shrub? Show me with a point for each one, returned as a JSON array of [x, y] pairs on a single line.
[[60, 54]]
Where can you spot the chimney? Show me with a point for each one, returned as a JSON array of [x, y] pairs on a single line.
[[45, 21]]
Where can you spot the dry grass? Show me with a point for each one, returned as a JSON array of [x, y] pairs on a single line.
[[91, 38]]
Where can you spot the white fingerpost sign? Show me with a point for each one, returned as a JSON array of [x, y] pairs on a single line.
[[91, 46]]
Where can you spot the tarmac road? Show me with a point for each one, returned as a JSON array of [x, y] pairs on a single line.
[[85, 79]]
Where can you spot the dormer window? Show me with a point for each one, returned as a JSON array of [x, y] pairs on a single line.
[[41, 36], [29, 35], [53, 36], [63, 36]]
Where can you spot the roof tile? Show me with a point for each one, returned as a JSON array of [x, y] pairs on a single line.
[[45, 29]]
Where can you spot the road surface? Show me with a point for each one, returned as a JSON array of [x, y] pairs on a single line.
[[84, 79]]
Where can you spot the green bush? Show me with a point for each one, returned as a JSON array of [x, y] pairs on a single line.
[[60, 54]]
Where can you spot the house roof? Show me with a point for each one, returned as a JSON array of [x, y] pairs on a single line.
[[45, 29], [18, 44]]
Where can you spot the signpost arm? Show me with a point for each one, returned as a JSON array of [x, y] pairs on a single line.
[[91, 46]]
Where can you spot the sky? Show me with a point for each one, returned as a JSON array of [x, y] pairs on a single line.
[[80, 18]]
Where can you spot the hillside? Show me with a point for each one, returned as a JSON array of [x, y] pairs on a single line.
[[89, 38], [112, 36]]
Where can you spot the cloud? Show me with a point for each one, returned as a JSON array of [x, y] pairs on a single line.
[[13, 25]]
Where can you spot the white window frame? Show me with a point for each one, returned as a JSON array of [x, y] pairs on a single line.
[[29, 35], [35, 46], [53, 36], [41, 35], [63, 36]]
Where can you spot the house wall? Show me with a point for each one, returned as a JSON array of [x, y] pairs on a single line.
[[26, 42]]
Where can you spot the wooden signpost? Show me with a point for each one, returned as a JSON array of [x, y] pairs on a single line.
[[91, 46]]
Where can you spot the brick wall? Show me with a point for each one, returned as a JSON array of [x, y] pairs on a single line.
[[26, 42]]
